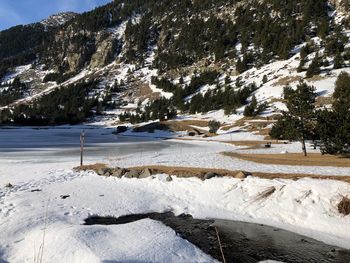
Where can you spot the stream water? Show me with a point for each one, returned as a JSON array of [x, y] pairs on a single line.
[[241, 242]]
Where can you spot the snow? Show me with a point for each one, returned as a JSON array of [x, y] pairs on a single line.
[[16, 72], [23, 214], [39, 167], [58, 19], [149, 73], [213, 159]]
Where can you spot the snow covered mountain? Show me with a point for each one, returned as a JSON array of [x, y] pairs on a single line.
[[131, 54], [58, 19]]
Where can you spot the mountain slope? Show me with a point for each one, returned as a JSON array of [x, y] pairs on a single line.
[[140, 51]]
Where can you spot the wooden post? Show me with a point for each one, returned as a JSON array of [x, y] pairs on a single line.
[[82, 139]]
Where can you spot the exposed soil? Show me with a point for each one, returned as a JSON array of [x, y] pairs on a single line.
[[241, 242]]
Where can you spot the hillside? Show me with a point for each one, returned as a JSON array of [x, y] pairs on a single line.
[[190, 57]]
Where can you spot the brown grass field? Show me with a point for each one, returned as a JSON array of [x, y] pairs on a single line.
[[313, 159]]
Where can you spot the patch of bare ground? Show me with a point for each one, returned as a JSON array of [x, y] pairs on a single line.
[[199, 123], [322, 101], [187, 172], [257, 125], [91, 167], [316, 78], [144, 91], [175, 126], [277, 100], [253, 144], [285, 81], [313, 159]]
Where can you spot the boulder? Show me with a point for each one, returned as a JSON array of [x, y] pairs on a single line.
[[145, 173], [132, 174], [209, 175], [242, 175], [118, 172], [121, 129], [169, 178], [105, 172], [9, 185]]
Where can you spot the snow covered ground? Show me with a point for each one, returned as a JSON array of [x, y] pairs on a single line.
[[40, 172]]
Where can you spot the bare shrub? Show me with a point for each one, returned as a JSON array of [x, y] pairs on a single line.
[[344, 206]]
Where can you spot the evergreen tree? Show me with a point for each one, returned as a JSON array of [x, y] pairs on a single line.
[[264, 79], [250, 109], [214, 126], [254, 109], [338, 61], [298, 122], [314, 68], [334, 125]]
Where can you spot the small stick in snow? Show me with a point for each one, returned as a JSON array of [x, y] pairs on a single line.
[[82, 139], [221, 250]]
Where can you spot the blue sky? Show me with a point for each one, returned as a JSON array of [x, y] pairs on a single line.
[[15, 12]]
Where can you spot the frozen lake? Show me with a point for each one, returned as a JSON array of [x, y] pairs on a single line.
[[46, 144]]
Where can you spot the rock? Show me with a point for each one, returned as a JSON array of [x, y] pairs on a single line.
[[242, 174], [132, 174], [209, 175], [101, 171], [145, 173], [105, 171], [118, 172], [9, 185], [169, 178], [105, 49], [121, 129]]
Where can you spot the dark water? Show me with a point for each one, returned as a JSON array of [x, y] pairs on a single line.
[[242, 242]]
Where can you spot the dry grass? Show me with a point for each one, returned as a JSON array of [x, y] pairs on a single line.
[[313, 159], [285, 81], [228, 127], [185, 171], [321, 101], [316, 78], [144, 91], [91, 167], [344, 206], [277, 100], [199, 123], [200, 172]]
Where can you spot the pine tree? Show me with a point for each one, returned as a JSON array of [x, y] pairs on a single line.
[[334, 125], [249, 110], [299, 121], [264, 79], [214, 126], [338, 61], [314, 68]]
